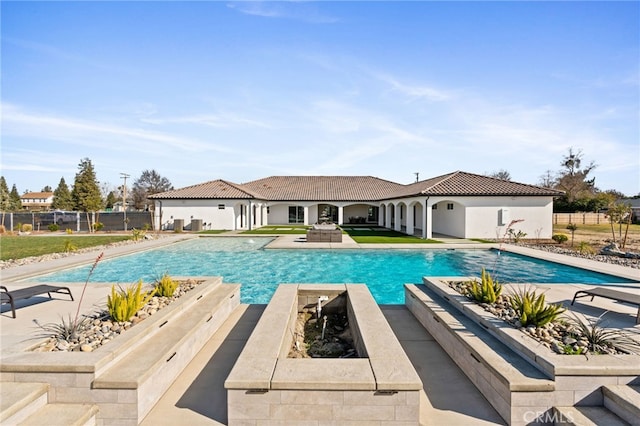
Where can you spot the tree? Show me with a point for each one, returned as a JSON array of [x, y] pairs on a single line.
[[62, 199], [111, 199], [500, 174], [14, 198], [86, 192], [547, 180], [149, 183], [47, 189], [573, 179], [5, 202]]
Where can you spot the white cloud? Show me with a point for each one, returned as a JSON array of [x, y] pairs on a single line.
[[299, 11], [18, 122]]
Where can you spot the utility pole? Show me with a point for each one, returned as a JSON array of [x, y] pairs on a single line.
[[124, 198], [417, 175]]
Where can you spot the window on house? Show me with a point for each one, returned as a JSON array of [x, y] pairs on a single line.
[[434, 207], [221, 206], [449, 206], [296, 214]]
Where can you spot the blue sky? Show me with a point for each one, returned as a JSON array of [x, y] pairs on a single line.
[[244, 90]]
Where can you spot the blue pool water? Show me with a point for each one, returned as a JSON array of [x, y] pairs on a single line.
[[245, 261]]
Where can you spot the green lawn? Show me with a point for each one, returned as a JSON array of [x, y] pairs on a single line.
[[18, 247], [212, 231], [279, 229], [384, 236]]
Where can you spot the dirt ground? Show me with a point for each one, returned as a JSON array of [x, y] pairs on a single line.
[[600, 235]]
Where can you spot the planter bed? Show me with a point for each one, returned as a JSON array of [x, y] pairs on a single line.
[[267, 387], [482, 345], [127, 376]]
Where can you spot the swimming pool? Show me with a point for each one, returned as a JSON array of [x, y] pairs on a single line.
[[260, 271]]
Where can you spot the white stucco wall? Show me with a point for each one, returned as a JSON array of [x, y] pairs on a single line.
[[449, 222], [207, 210], [483, 215]]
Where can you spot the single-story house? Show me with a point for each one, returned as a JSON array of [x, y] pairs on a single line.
[[36, 200], [457, 204]]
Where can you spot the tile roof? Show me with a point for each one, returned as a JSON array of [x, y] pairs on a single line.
[[37, 195], [322, 188], [469, 184], [208, 190], [355, 188]]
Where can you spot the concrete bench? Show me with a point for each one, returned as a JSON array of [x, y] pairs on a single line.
[[28, 292], [509, 382], [610, 293]]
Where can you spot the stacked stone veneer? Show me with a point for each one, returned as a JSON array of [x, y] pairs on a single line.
[[380, 387], [127, 376], [520, 377]]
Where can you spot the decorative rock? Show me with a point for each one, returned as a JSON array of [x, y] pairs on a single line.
[[86, 348]]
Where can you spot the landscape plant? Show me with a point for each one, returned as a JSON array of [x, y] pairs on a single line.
[[70, 329], [560, 238], [69, 246], [165, 286], [572, 227], [27, 227], [531, 308], [487, 291], [123, 303], [585, 248], [600, 338], [53, 227]]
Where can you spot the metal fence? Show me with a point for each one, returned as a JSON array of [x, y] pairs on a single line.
[[112, 221]]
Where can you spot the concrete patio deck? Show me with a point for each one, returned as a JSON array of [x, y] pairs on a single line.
[[198, 395]]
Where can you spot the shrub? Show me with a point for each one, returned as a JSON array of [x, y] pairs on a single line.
[[3, 229], [137, 234], [146, 227], [53, 227], [165, 286], [585, 248], [26, 227], [69, 246], [531, 308], [516, 236], [69, 231], [124, 303], [560, 238], [487, 291], [98, 226], [600, 338]]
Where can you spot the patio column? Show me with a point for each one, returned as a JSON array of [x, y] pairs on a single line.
[[306, 215], [382, 214], [387, 216], [340, 215], [410, 209], [397, 222], [427, 220]]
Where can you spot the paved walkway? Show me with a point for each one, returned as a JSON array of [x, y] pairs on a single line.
[[198, 396]]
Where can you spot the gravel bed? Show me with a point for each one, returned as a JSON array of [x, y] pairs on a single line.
[[614, 260], [99, 329], [563, 336]]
